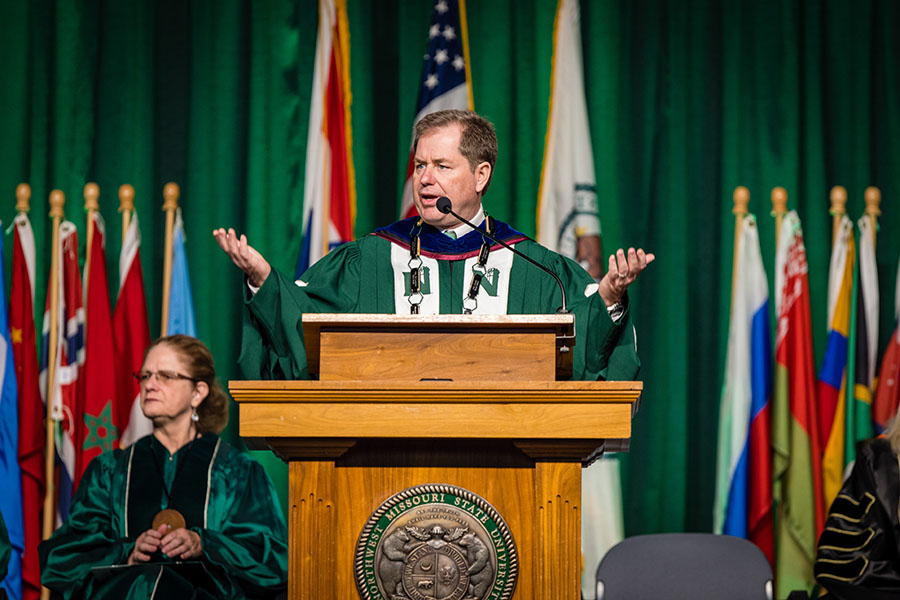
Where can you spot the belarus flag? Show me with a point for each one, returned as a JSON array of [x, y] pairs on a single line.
[[797, 468]]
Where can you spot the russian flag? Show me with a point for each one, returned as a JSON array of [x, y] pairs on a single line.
[[743, 504]]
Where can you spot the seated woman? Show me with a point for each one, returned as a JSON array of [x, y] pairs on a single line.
[[859, 551], [232, 540]]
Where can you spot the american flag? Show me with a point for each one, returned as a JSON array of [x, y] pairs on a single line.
[[445, 75]]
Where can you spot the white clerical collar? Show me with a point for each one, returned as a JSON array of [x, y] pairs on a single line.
[[463, 229]]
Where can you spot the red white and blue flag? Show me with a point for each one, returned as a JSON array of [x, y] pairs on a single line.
[[445, 75], [743, 504], [329, 194], [66, 408]]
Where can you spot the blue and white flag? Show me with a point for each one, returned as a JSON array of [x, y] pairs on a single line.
[[181, 301], [743, 502], [10, 475], [445, 82]]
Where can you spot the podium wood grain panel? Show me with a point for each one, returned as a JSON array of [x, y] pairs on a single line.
[[540, 504], [557, 489], [387, 342], [570, 421], [312, 548], [351, 445], [382, 356], [508, 490]]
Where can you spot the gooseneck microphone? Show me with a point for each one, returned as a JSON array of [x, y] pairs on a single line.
[[444, 205]]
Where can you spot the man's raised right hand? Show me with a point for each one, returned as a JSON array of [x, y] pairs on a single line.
[[243, 255]]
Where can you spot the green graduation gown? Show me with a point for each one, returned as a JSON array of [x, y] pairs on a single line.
[[370, 275], [858, 556], [225, 496]]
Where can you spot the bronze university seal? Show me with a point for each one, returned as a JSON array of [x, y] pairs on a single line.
[[436, 542]]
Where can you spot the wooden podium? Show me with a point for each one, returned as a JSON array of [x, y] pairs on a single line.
[[470, 401]]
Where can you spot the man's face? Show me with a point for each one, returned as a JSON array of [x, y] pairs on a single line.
[[441, 170]]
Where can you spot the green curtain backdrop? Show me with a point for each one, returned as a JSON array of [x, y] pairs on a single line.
[[687, 99]]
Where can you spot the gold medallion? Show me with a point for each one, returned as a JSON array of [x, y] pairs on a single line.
[[171, 518]]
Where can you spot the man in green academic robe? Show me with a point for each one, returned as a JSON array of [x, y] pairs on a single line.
[[427, 264]]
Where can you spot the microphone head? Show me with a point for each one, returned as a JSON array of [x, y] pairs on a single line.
[[444, 205]]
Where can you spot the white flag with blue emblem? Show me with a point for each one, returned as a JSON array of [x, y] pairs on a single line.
[[567, 210], [567, 203]]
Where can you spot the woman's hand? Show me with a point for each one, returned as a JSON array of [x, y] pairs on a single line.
[[146, 544], [181, 543]]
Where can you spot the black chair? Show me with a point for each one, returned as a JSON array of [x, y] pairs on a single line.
[[685, 566]]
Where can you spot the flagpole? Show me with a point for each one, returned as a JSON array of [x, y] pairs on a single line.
[[23, 198], [170, 205], [838, 210], [91, 205], [779, 209], [57, 200], [741, 202], [126, 206], [873, 210]]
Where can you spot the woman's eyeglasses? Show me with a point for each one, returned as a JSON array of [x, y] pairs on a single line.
[[163, 377]]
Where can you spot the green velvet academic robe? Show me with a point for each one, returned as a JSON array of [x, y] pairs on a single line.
[[858, 556], [370, 276], [225, 496]]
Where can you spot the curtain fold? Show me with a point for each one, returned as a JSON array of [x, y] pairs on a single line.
[[686, 100]]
